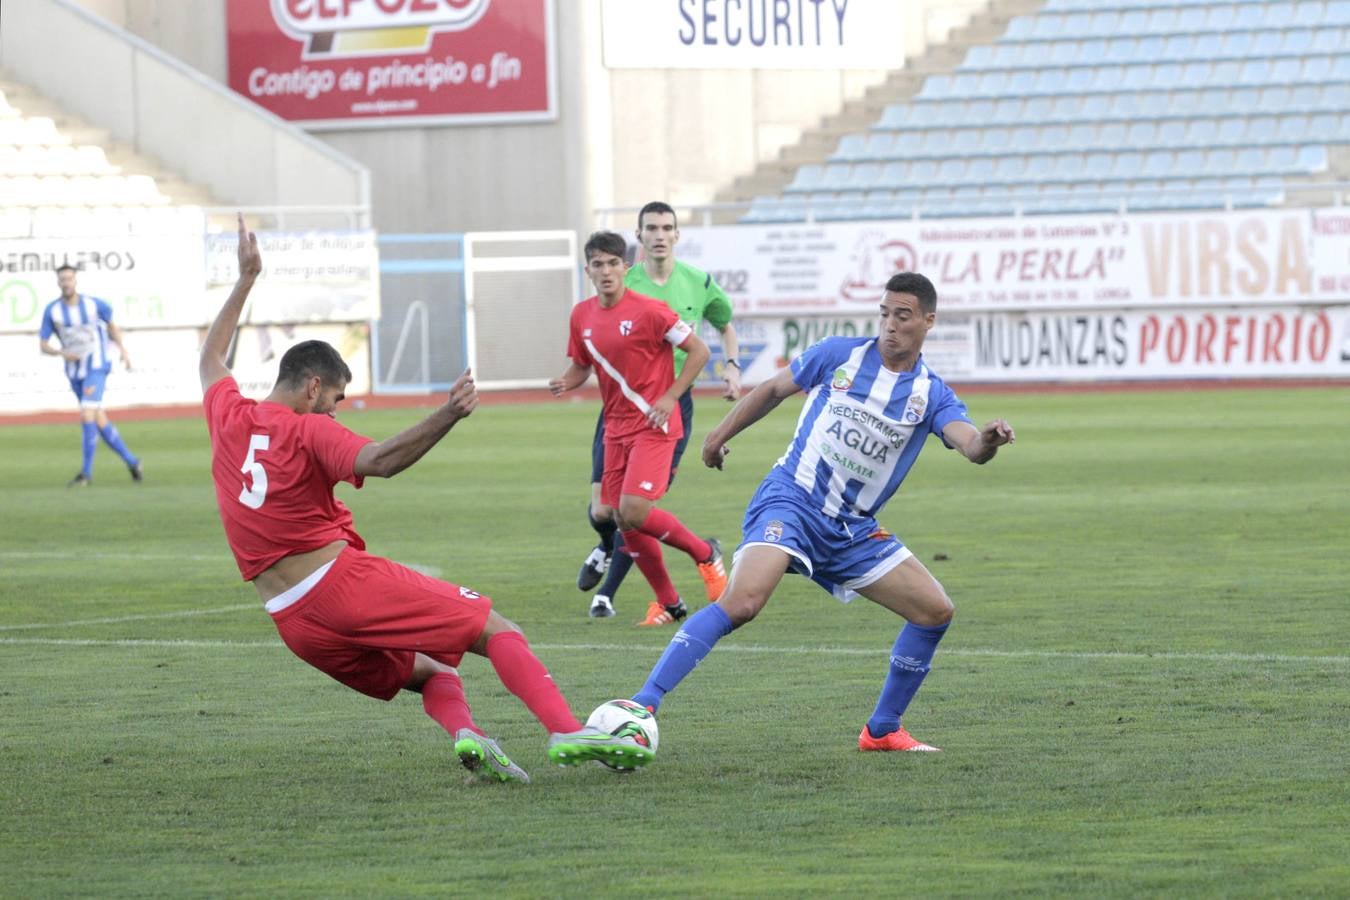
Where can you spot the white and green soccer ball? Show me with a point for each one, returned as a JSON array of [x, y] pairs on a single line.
[[624, 718]]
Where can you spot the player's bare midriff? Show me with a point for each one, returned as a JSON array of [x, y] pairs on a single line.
[[289, 571]]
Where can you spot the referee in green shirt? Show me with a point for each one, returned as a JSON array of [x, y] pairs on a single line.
[[696, 297]]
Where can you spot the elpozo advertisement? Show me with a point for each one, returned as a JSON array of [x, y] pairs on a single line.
[[1076, 262], [373, 63]]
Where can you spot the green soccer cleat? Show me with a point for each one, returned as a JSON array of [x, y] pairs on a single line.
[[593, 745], [481, 756]]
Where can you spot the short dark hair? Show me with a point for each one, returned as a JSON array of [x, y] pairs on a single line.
[[65, 267], [309, 358], [657, 206], [917, 285], [606, 242]]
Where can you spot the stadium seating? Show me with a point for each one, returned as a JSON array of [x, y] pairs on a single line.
[[1152, 104], [51, 185]]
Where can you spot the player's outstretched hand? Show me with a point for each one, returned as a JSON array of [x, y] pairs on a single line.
[[714, 452], [250, 260], [558, 387], [463, 395], [997, 433]]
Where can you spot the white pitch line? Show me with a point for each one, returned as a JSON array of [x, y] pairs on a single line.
[[748, 648], [126, 557], [139, 617]]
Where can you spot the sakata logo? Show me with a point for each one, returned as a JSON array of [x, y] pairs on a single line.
[[468, 594], [841, 380], [384, 26], [626, 327], [645, 485]]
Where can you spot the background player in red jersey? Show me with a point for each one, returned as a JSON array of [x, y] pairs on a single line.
[[376, 626], [628, 339]]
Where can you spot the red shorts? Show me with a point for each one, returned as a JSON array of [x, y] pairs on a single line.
[[367, 617], [637, 464]]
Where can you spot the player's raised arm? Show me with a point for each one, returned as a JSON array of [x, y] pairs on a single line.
[[387, 458], [979, 446], [212, 365], [752, 407]]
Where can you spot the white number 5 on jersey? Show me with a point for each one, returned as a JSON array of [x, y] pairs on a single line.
[[253, 497]]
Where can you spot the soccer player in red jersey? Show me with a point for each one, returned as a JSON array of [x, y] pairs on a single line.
[[372, 624], [628, 339]]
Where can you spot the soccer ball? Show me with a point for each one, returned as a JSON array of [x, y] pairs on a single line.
[[624, 718]]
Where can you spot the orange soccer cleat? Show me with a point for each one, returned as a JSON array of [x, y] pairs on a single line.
[[714, 574], [663, 615], [899, 739]]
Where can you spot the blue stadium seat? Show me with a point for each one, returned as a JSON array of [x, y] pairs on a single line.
[[1309, 14], [851, 147], [1329, 40], [1312, 159], [894, 175], [1338, 13], [808, 178], [1231, 132]]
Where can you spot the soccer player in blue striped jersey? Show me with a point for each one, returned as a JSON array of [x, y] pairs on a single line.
[[84, 327], [870, 404]]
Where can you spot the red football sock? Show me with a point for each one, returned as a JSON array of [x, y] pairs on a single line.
[[525, 676], [646, 552], [667, 529], [443, 699]]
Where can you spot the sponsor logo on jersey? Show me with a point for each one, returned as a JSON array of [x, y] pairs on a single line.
[[914, 409], [626, 327], [773, 532], [645, 485]]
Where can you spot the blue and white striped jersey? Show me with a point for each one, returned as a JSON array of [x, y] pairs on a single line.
[[862, 425], [81, 328]]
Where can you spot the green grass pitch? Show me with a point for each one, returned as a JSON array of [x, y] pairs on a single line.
[[1145, 691]]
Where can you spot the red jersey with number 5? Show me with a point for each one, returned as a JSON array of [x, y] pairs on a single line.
[[274, 470]]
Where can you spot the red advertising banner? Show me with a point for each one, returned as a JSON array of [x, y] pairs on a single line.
[[382, 63]]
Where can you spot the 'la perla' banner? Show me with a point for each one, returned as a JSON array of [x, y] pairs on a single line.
[[1041, 262], [753, 34]]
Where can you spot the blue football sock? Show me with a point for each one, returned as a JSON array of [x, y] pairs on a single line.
[[691, 643], [89, 435], [619, 564], [113, 438], [911, 658]]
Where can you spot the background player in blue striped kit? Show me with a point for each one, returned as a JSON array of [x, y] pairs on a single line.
[[871, 402], [85, 328]]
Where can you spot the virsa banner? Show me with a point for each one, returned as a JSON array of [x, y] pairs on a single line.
[[1200, 259], [354, 63]]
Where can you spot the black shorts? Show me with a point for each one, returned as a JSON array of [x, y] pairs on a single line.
[[598, 442]]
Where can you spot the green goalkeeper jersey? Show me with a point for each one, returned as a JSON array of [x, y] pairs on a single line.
[[691, 292]]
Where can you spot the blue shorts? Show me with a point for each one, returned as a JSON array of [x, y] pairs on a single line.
[[89, 389], [840, 557], [598, 441]]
